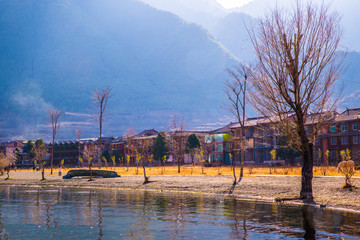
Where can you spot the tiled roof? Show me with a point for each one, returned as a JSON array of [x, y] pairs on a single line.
[[348, 115], [224, 129], [3, 144], [146, 133], [253, 122]]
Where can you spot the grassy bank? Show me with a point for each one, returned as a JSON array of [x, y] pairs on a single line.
[[212, 171]]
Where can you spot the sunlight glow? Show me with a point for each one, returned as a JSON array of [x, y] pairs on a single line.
[[233, 3]]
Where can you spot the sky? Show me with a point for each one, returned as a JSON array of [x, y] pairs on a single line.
[[233, 3]]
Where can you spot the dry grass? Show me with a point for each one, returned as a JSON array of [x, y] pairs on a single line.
[[225, 170]]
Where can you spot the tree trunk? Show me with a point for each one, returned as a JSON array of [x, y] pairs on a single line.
[[52, 157], [146, 179], [100, 140], [307, 173], [99, 157], [242, 152], [233, 168], [178, 165], [8, 174], [43, 173], [242, 164], [180, 153], [90, 179]]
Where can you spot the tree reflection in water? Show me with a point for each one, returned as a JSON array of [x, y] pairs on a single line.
[[100, 221], [308, 222], [3, 233], [97, 214], [237, 212]]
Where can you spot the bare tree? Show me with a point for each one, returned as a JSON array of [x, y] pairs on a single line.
[[39, 151], [296, 69], [54, 118], [131, 146], [144, 150], [177, 140], [3, 162], [130, 132], [90, 152], [6, 161], [101, 98], [236, 94]]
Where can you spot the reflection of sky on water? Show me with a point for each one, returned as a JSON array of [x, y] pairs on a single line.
[[88, 214]]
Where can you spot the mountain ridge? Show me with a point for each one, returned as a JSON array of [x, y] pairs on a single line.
[[153, 60]]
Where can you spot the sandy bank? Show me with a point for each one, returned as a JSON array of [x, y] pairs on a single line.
[[327, 190]]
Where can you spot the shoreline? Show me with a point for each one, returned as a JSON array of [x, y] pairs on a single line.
[[327, 191]]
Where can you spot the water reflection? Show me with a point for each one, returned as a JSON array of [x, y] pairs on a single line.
[[308, 222], [68, 214], [100, 220]]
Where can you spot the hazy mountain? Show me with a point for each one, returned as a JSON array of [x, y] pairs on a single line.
[[348, 10], [228, 27], [202, 12], [231, 32], [54, 53]]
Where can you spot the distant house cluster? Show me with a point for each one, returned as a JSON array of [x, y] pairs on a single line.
[[339, 132]]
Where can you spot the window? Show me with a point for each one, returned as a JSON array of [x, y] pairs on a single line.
[[355, 139], [227, 147], [220, 147], [343, 127], [333, 128], [344, 140], [317, 154], [333, 154], [333, 141], [355, 153], [219, 137], [355, 126]]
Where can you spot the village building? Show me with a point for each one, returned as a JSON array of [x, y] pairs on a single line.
[[340, 134], [260, 139], [218, 145]]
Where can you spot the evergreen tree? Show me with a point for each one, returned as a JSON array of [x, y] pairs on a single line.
[[192, 145], [160, 148], [285, 150], [28, 148]]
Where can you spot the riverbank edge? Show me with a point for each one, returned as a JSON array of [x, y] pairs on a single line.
[[51, 184]]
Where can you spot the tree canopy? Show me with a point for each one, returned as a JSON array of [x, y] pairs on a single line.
[[192, 143], [294, 74], [160, 147]]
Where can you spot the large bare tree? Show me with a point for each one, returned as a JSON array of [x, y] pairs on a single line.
[[296, 68], [236, 93], [54, 119], [101, 98]]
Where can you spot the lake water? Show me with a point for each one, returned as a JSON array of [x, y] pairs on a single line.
[[62, 213]]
